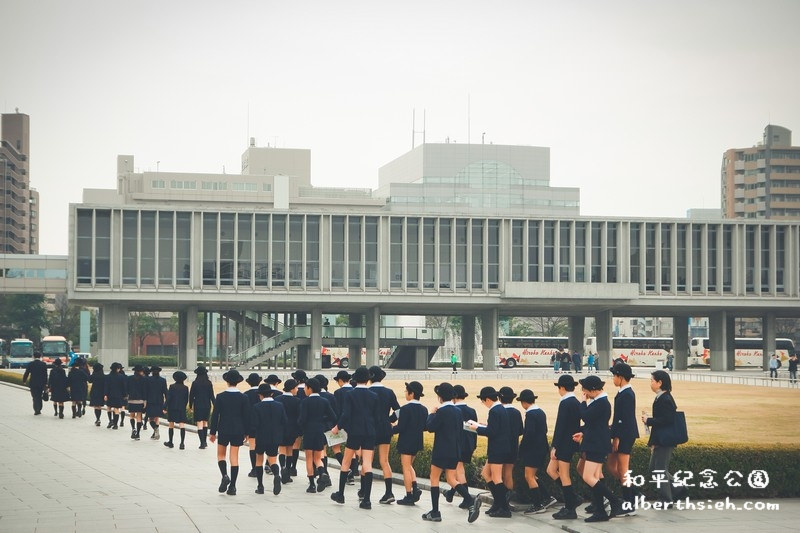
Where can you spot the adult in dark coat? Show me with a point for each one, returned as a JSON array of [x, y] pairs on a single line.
[[37, 372], [115, 392], [156, 399], [267, 425], [563, 447], [57, 384], [177, 400], [78, 383], [533, 450], [231, 418], [410, 427], [97, 392], [663, 416], [383, 428], [315, 418], [624, 430], [201, 399]]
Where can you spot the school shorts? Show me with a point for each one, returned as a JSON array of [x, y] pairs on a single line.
[[383, 439], [625, 446], [176, 415], [448, 463], [230, 440], [288, 439], [270, 449], [534, 460], [135, 407], [363, 442], [154, 410], [114, 403], [596, 457], [409, 450], [314, 441], [565, 454], [497, 458]]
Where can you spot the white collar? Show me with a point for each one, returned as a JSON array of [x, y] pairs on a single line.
[[361, 386], [532, 408], [378, 385], [346, 386], [495, 404], [567, 395], [232, 389], [287, 394], [268, 399], [446, 404], [413, 401], [660, 393], [628, 386], [273, 387], [462, 402], [508, 405], [253, 388], [601, 395], [312, 394]]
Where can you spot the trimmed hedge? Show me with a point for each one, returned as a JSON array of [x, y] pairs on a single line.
[[11, 377]]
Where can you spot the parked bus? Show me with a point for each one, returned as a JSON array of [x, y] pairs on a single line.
[[55, 346], [20, 353], [528, 351], [636, 351], [339, 356], [748, 351]]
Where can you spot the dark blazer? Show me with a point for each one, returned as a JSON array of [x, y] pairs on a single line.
[[469, 440], [137, 387], [268, 423], [58, 384], [231, 414], [534, 436], [388, 402], [115, 387], [339, 395], [156, 391], [37, 371], [663, 416], [177, 397], [360, 411], [446, 424], [568, 422], [252, 396], [316, 415], [498, 431], [514, 429], [201, 398], [411, 419], [98, 381], [78, 383], [596, 434], [331, 400], [291, 404], [624, 425]]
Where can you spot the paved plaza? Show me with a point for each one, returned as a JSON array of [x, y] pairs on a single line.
[[68, 475]]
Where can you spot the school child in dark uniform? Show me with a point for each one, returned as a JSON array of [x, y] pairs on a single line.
[[342, 379], [507, 395], [467, 444], [156, 399], [137, 394], [624, 431], [301, 377], [291, 403], [267, 424], [323, 383], [58, 387], [252, 395], [145, 416], [498, 431], [562, 449], [97, 392], [383, 428], [177, 399], [446, 423], [595, 441], [115, 392], [122, 417], [201, 399], [359, 412], [78, 383], [533, 451], [411, 419], [231, 418], [316, 417], [273, 381]]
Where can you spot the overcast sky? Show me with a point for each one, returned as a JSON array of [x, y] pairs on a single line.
[[637, 100]]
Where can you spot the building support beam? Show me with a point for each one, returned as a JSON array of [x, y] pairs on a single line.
[[604, 323], [576, 326], [354, 350], [768, 332], [373, 337], [468, 342], [489, 335], [187, 338], [721, 337], [114, 343], [680, 342]]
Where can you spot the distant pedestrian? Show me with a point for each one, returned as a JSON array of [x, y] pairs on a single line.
[[774, 365], [670, 360], [156, 399], [566, 360], [555, 360], [37, 372], [78, 383], [58, 387], [177, 399], [590, 363], [97, 392], [793, 369], [454, 362], [577, 362], [115, 392], [201, 398], [137, 399], [231, 418]]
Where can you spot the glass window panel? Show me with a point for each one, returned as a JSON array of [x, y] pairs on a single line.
[[354, 234], [564, 231], [183, 248], [84, 252], [461, 253], [429, 253], [244, 248], [549, 250], [147, 266], [533, 250], [312, 251], [635, 246], [780, 257], [697, 258], [517, 252], [102, 247], [493, 252], [611, 252], [580, 251], [712, 258], [130, 233], [477, 254], [650, 256], [396, 252], [210, 248], [278, 250], [165, 223], [750, 258], [296, 250], [371, 252], [597, 252], [666, 257], [261, 250], [337, 251], [765, 257], [681, 259], [412, 252], [226, 248]]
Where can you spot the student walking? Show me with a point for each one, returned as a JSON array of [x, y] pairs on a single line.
[[267, 425], [97, 392], [533, 451], [624, 432], [78, 383], [231, 418], [316, 417], [291, 403], [383, 428], [411, 419], [156, 399], [466, 444], [498, 431], [37, 372], [342, 379], [253, 397], [323, 383], [58, 387], [563, 447], [177, 400], [115, 392], [515, 427], [137, 399], [201, 399]]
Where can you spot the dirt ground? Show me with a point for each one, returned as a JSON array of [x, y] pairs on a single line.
[[714, 412]]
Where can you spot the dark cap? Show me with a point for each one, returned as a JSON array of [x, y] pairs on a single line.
[[201, 370], [592, 382], [253, 379], [342, 375], [116, 366], [289, 385], [233, 377], [97, 367], [445, 391], [179, 376], [415, 388], [300, 375], [507, 394], [623, 370], [138, 368], [323, 381], [265, 390], [487, 392], [155, 368], [58, 361], [566, 381], [272, 379], [527, 396], [459, 392], [376, 373], [361, 375]]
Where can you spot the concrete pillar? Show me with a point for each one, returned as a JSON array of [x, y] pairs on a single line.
[[187, 338], [354, 350], [421, 358], [113, 335], [576, 325], [721, 340], [468, 342], [680, 342], [316, 339], [768, 333], [303, 351], [85, 338], [489, 335], [604, 324], [373, 340]]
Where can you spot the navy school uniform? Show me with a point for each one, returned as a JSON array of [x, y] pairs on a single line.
[[58, 385], [514, 431], [201, 399], [596, 441], [78, 383], [359, 413], [498, 431], [291, 404], [316, 417], [267, 425], [137, 393], [331, 400], [624, 425], [469, 440], [252, 395], [446, 424], [115, 389], [568, 422], [533, 449], [177, 399], [388, 402], [231, 417], [664, 408], [411, 419], [339, 395], [156, 396], [97, 392]]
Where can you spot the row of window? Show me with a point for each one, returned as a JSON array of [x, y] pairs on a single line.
[[209, 185]]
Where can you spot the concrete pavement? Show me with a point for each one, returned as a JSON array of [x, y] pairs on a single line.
[[69, 475]]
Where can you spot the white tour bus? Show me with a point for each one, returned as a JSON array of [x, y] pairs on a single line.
[[528, 351], [748, 351], [636, 351]]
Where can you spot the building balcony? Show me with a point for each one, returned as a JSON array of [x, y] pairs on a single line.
[[738, 193], [738, 165], [761, 163], [738, 179]]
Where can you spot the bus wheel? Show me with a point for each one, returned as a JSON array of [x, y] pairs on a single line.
[[345, 363], [511, 363]]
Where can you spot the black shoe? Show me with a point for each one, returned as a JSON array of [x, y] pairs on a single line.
[[109, 425], [170, 445], [39, 412], [365, 504], [417, 494], [276, 485], [351, 479], [360, 494], [616, 509], [311, 489], [464, 504], [589, 508], [252, 473], [115, 426], [475, 510], [448, 495], [137, 436], [203, 446], [260, 489], [223, 485], [405, 501], [549, 503], [61, 415], [597, 517], [565, 514], [338, 497], [502, 513], [181, 447], [133, 435], [231, 490], [534, 509], [96, 423], [387, 498], [323, 482], [293, 472], [432, 516]]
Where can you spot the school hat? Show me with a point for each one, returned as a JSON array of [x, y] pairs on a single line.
[[146, 370], [97, 367], [342, 375], [155, 368], [289, 385], [313, 385], [624, 370], [459, 392], [201, 370], [361, 375], [487, 392], [232, 376], [299, 375], [253, 379], [58, 361], [179, 376], [79, 362], [415, 387], [527, 396], [137, 368], [507, 393], [265, 390], [445, 391], [592, 382], [272, 379], [116, 366], [376, 373], [566, 381], [323, 381]]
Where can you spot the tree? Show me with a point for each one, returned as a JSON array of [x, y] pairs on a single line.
[[24, 314], [143, 325], [65, 319], [550, 326]]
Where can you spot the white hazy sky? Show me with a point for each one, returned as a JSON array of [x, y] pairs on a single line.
[[636, 99]]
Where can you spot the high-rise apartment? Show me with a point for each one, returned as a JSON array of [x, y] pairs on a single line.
[[762, 181], [19, 211]]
